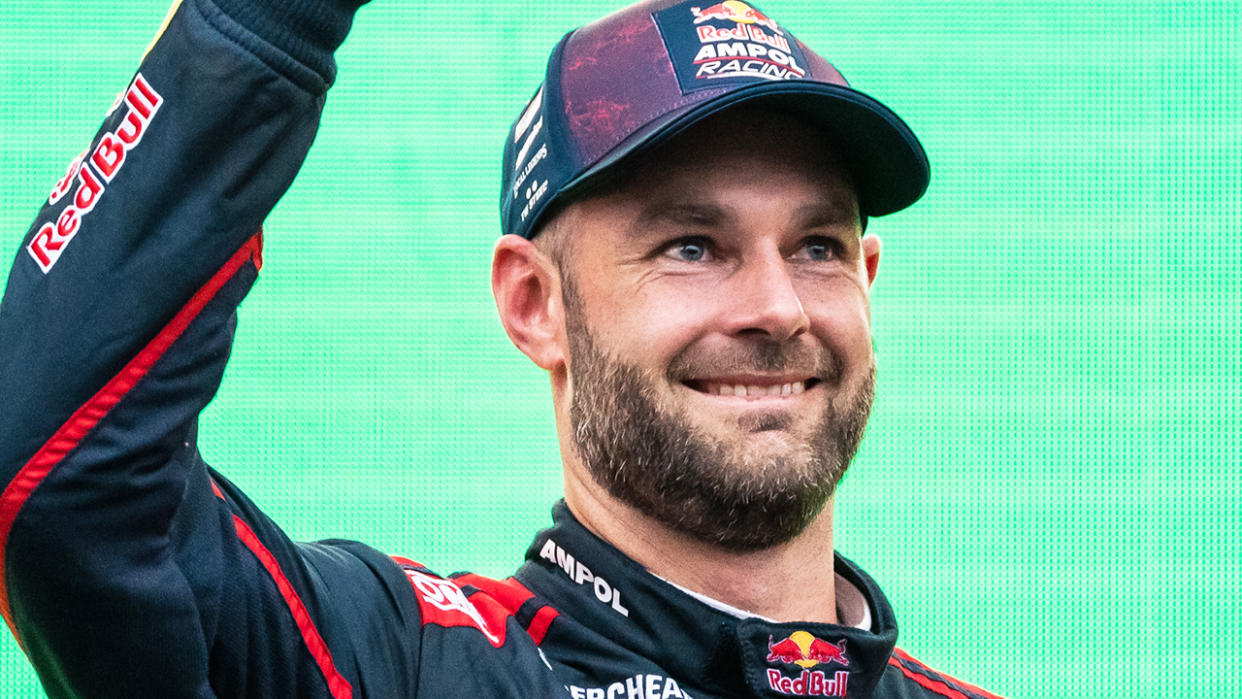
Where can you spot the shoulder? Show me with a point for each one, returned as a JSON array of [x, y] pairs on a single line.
[[919, 680], [469, 600]]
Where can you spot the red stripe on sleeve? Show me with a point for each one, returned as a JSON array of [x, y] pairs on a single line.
[[901, 659], [337, 685], [86, 417]]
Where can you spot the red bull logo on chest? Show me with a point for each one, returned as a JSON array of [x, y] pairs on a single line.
[[805, 651], [729, 42]]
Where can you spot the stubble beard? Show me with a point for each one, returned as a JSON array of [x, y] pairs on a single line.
[[653, 458]]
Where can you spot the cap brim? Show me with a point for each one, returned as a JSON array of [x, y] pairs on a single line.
[[884, 156]]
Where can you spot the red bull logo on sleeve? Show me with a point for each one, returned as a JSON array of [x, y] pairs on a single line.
[[729, 42], [91, 172], [805, 651]]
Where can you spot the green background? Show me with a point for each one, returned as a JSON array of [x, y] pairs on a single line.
[[1049, 488]]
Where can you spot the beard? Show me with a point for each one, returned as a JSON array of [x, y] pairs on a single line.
[[711, 487]]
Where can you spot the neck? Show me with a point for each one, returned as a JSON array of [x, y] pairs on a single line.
[[792, 581]]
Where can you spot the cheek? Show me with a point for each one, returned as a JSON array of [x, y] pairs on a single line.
[[646, 328], [842, 318]]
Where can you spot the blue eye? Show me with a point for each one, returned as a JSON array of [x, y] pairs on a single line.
[[821, 249], [689, 249]]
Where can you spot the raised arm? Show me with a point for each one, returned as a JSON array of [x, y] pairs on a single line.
[[126, 566]]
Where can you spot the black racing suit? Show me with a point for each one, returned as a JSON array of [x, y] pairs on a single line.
[[129, 568]]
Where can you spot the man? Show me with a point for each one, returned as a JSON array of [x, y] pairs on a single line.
[[683, 208]]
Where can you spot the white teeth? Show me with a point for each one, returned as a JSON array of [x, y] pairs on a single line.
[[757, 391]]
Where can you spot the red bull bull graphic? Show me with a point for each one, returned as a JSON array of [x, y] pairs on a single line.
[[735, 11], [806, 651], [825, 652], [787, 651]]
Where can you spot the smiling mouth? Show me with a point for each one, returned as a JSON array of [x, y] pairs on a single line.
[[750, 389]]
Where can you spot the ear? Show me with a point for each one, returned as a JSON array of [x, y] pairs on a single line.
[[527, 288], [871, 256]]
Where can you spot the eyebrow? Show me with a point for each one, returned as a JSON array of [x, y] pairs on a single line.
[[816, 215], [681, 214], [828, 214]]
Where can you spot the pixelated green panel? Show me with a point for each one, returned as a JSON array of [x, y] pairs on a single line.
[[1049, 487]]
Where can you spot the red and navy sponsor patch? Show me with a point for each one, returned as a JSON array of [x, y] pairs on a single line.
[[441, 602], [727, 43], [513, 596]]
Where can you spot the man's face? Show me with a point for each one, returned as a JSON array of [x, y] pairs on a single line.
[[716, 301]]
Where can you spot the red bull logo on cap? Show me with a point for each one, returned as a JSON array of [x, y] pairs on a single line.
[[735, 11], [726, 43]]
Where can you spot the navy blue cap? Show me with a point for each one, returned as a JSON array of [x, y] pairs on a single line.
[[622, 85]]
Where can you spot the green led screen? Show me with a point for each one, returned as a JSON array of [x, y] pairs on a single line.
[[1049, 486]]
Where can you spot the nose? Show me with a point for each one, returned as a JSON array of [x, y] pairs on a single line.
[[765, 299]]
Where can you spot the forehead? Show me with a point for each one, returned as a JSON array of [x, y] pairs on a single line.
[[742, 157]]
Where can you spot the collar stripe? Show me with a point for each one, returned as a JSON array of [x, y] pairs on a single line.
[[530, 612], [935, 681]]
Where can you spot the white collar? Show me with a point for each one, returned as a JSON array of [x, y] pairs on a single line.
[[852, 607]]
